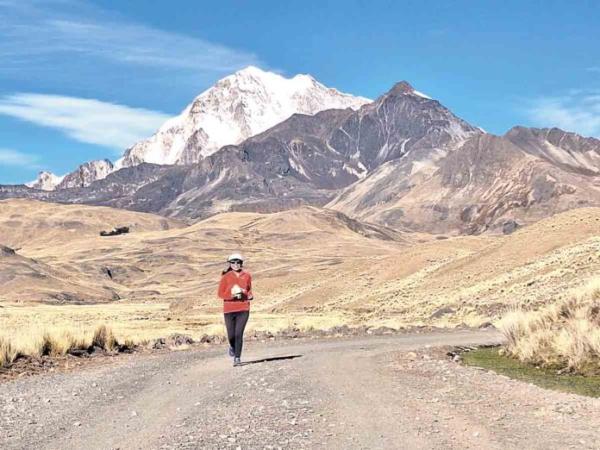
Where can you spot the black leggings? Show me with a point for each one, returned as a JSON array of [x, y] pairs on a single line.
[[235, 323]]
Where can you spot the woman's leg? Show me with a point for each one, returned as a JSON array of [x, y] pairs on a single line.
[[240, 325], [230, 325]]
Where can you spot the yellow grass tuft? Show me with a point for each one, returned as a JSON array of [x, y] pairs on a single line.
[[104, 338], [564, 335], [56, 341], [59, 342], [8, 352]]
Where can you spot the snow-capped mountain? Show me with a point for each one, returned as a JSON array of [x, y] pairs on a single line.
[[235, 108], [46, 181], [404, 161], [306, 159], [86, 174]]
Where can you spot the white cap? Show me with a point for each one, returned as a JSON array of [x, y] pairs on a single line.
[[235, 256]]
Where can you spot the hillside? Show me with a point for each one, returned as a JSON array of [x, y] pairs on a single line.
[[29, 280], [25, 222], [315, 261], [530, 267]]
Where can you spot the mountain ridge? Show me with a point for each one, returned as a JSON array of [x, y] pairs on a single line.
[[403, 161], [237, 107]]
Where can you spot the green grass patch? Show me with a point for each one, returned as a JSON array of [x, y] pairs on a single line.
[[488, 358]]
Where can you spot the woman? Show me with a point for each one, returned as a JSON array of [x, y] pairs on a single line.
[[236, 291]]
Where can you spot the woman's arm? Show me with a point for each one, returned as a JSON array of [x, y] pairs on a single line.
[[224, 291], [249, 294]]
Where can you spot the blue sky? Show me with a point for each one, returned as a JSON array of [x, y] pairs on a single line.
[[83, 79]]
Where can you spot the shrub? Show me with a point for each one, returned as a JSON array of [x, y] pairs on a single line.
[[565, 335]]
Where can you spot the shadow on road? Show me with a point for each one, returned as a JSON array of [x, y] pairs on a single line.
[[274, 358]]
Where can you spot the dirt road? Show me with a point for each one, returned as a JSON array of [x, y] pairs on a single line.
[[359, 393]]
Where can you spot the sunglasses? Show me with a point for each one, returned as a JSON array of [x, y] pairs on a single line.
[[236, 261]]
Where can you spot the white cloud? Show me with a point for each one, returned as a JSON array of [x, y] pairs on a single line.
[[15, 158], [578, 111], [141, 45], [86, 120], [46, 35]]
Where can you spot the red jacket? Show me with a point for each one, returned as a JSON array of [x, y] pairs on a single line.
[[230, 279]]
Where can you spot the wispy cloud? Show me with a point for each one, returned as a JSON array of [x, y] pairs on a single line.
[[593, 69], [86, 120], [15, 158], [578, 111], [67, 34]]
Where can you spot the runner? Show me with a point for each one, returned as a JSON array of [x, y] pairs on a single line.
[[235, 289]]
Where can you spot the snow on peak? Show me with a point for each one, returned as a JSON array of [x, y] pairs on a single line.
[[404, 87], [83, 176], [420, 94], [86, 174], [46, 181], [237, 107], [251, 70]]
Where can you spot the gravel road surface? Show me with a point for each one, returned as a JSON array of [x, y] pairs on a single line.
[[381, 392]]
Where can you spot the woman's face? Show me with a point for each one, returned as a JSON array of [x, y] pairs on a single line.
[[236, 265]]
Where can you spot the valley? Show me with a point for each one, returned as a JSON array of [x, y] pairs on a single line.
[[312, 268]]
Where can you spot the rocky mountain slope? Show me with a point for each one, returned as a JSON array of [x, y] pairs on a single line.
[[235, 108], [487, 182], [303, 160], [86, 174], [400, 122], [403, 161], [567, 150], [83, 176]]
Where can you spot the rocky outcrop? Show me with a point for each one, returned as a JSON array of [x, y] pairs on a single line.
[[6, 251], [86, 174], [45, 181]]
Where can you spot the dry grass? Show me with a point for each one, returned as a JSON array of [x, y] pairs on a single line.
[[56, 341], [8, 352], [104, 338], [39, 329], [36, 330], [310, 269], [305, 263], [565, 335], [140, 322]]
